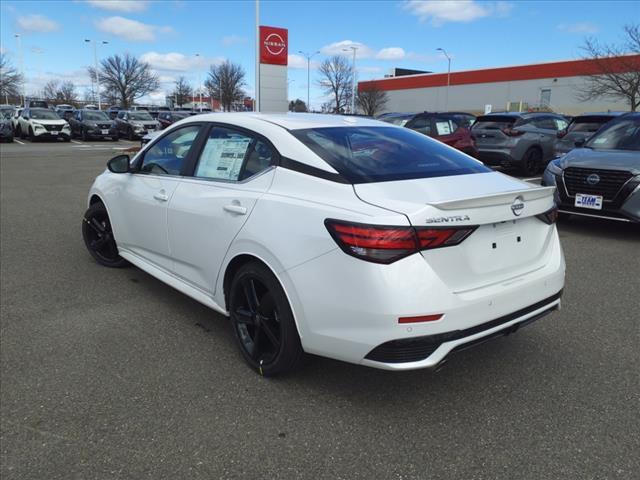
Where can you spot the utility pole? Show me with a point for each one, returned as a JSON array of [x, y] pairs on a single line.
[[308, 57], [446, 104], [95, 66], [23, 79], [193, 97], [353, 86]]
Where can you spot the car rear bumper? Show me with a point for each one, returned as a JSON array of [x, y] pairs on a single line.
[[354, 316], [496, 157]]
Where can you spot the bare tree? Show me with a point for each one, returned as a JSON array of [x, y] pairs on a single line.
[[618, 74], [182, 92], [10, 79], [336, 79], [372, 100], [225, 83], [125, 79], [50, 91], [56, 92], [297, 106]]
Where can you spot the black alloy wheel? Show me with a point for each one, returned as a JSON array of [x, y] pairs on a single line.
[[130, 134], [262, 321], [84, 134], [98, 237], [531, 162]]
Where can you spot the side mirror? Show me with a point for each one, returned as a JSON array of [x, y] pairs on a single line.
[[580, 143], [119, 164]]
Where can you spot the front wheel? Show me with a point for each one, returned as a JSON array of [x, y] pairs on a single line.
[[531, 162], [131, 135], [263, 321], [98, 237]]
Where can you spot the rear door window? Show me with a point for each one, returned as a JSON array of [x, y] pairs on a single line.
[[444, 126], [421, 124]]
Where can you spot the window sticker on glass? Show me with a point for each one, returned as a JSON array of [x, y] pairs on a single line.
[[443, 128], [222, 158]]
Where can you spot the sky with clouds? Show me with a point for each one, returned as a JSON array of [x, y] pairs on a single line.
[[182, 37]]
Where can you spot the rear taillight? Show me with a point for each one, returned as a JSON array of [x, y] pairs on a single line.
[[550, 216], [385, 244], [561, 133], [512, 132]]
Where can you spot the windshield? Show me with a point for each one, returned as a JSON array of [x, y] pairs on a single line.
[[93, 115], [400, 120], [494, 122], [380, 154], [44, 115], [7, 113], [140, 116], [622, 135]]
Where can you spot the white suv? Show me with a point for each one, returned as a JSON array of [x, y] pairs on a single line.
[[41, 123], [338, 236]]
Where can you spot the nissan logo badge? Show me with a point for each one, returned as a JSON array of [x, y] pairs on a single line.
[[517, 206], [593, 179]]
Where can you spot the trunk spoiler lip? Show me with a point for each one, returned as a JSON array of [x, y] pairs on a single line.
[[489, 200]]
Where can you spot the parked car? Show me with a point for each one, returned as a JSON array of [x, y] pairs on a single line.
[[88, 124], [580, 128], [135, 124], [36, 104], [443, 126], [7, 108], [113, 112], [6, 126], [148, 137], [42, 123], [167, 118], [602, 178], [91, 107], [521, 140], [65, 111], [340, 236], [15, 119]]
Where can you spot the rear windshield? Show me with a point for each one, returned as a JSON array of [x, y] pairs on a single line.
[[400, 120], [587, 124], [140, 115], [95, 116], [494, 122], [382, 154], [44, 115], [622, 135]]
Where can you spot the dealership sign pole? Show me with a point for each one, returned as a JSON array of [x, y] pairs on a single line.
[[256, 105], [272, 70]]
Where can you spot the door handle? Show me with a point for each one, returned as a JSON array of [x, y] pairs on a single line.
[[161, 196], [235, 209]]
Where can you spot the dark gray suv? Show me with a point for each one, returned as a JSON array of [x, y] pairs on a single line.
[[521, 140]]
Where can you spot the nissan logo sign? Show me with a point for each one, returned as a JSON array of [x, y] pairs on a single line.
[[593, 179], [517, 206], [274, 44]]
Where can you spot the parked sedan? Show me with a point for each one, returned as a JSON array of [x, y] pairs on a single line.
[[447, 127], [135, 124], [168, 118], [521, 140], [602, 179], [88, 124], [42, 123], [580, 129], [6, 127], [339, 236]]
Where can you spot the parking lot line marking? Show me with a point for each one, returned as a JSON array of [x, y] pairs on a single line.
[[21, 143], [79, 143]]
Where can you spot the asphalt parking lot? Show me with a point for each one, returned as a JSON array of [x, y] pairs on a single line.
[[110, 374]]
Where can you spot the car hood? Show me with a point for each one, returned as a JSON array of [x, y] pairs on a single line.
[[627, 160], [46, 121]]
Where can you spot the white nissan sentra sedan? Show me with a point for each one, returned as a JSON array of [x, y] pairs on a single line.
[[338, 236]]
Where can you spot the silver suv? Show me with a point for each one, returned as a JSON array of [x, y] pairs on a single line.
[[521, 140]]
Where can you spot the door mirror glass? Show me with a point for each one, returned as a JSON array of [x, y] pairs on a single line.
[[579, 143], [119, 164]]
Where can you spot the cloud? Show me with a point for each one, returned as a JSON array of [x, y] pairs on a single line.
[[178, 62], [365, 69], [391, 53], [127, 6], [300, 62], [131, 30], [230, 40], [440, 12], [37, 23], [338, 48], [580, 27]]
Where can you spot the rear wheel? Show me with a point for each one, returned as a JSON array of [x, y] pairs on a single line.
[[83, 135], [263, 322], [32, 136], [98, 237], [531, 162]]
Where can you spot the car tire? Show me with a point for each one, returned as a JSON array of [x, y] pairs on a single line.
[[115, 138], [531, 162], [32, 136], [130, 135], [83, 135], [98, 237], [263, 322]]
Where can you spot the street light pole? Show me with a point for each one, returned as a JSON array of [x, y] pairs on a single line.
[[308, 56], [95, 66], [353, 86], [22, 80], [193, 97], [446, 105]]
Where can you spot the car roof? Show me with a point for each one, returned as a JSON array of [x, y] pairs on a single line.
[[293, 121]]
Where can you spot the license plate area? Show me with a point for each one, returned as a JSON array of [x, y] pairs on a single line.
[[105, 132], [593, 202]]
